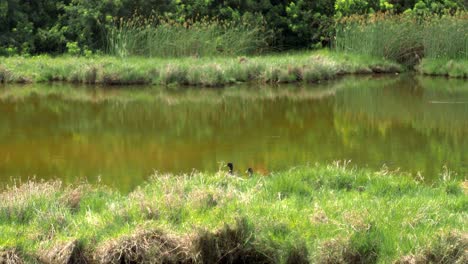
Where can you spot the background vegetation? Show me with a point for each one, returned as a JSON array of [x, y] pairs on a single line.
[[152, 37], [82, 26], [405, 38]]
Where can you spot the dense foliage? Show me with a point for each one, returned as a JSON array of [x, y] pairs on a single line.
[[80, 26]]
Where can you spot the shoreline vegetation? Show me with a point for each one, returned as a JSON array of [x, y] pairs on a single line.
[[444, 67], [314, 214], [193, 71], [305, 67], [210, 52]]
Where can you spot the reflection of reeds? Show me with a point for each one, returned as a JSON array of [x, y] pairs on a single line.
[[404, 38], [168, 38], [407, 102]]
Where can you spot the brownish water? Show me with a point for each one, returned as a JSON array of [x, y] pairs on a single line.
[[123, 135]]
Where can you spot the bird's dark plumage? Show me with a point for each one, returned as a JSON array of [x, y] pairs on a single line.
[[231, 168]]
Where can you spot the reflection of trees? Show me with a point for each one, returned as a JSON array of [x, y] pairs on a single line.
[[371, 121], [142, 135], [384, 117]]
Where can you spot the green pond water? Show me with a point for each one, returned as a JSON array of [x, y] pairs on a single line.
[[120, 136]]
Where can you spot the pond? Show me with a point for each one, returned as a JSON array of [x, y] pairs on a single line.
[[121, 136]]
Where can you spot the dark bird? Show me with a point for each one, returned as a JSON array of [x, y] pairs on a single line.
[[231, 168], [250, 172]]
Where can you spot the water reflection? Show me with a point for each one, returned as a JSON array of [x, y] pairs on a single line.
[[122, 136]]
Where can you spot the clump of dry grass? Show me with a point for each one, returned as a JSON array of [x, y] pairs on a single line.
[[17, 199], [361, 247], [146, 247], [232, 245], [88, 73], [205, 200], [319, 216], [357, 220], [23, 191], [298, 255], [450, 248], [72, 197], [341, 251], [70, 252], [149, 209], [10, 256], [4, 74], [334, 251]]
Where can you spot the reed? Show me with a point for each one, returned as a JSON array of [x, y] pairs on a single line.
[[446, 37], [404, 38], [155, 37]]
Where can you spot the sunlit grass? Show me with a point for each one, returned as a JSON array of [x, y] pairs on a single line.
[[281, 68], [320, 214]]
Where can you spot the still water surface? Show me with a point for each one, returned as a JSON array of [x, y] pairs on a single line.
[[121, 136]]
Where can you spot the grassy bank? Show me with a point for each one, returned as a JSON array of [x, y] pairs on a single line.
[[320, 214], [217, 71], [447, 67]]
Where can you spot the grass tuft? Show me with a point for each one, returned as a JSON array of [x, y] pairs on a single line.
[[363, 246], [145, 247], [5, 74], [448, 248], [70, 252], [232, 245], [10, 256], [298, 255]]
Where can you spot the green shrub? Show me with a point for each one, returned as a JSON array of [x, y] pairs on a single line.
[[73, 49]]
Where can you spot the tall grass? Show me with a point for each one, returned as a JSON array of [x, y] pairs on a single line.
[[168, 38], [446, 37], [404, 38]]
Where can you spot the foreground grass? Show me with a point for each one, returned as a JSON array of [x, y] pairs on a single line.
[[320, 214], [283, 68]]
